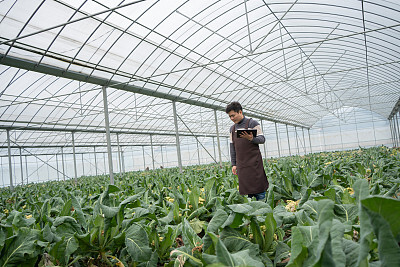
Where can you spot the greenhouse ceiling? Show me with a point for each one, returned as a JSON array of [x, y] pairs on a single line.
[[286, 61]]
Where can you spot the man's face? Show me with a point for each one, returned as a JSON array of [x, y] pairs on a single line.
[[236, 117]]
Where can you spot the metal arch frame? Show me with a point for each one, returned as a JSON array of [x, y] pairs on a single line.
[[25, 64], [214, 71], [278, 103]]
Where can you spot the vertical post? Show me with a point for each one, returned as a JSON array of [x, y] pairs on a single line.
[[119, 155], [26, 168], [9, 161], [297, 140], [22, 167], [123, 161], [304, 141], [355, 122], [277, 140], [95, 159], [144, 160], [62, 161], [198, 151], [265, 147], [309, 139], [107, 121], [73, 151], [162, 157], [218, 141], [213, 144], [178, 146], [152, 152], [105, 165], [229, 148], [58, 171], [397, 129], [287, 134], [392, 132], [83, 166]]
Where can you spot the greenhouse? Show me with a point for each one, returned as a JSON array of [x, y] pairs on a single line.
[[115, 145]]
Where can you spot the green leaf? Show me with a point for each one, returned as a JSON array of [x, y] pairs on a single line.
[[259, 208], [194, 197], [197, 225], [241, 208], [298, 250], [270, 226], [168, 240], [21, 248], [189, 236], [270, 198], [282, 252], [346, 212], [257, 235], [361, 191], [63, 249], [197, 213], [246, 258], [109, 212], [137, 243], [235, 241], [351, 249], [379, 210], [80, 217], [337, 232], [325, 216], [217, 220], [223, 254], [388, 208]]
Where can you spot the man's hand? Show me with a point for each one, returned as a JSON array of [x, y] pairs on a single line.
[[246, 135], [234, 170]]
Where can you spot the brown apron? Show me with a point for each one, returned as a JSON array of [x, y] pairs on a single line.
[[249, 165]]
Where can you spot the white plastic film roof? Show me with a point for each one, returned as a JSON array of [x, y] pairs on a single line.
[[289, 61]]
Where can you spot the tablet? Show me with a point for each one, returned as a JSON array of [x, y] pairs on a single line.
[[240, 131]]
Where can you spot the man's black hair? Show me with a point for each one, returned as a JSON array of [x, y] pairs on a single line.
[[235, 106]]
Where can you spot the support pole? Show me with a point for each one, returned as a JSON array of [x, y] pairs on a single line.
[[162, 157], [218, 141], [119, 155], [22, 167], [397, 130], [95, 160], [265, 146], [213, 144], [26, 168], [152, 152], [107, 121], [304, 141], [277, 140], [198, 151], [178, 146], [391, 131], [309, 139], [58, 171], [144, 160], [73, 150], [62, 161], [297, 140], [123, 161], [287, 135], [9, 161], [396, 141], [83, 166]]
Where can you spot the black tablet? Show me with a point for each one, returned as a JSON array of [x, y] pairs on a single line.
[[250, 131]]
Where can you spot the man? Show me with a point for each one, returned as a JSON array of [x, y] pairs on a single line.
[[246, 157]]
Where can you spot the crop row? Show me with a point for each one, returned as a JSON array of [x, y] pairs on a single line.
[[325, 209]]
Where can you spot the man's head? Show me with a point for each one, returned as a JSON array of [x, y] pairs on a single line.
[[235, 112]]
